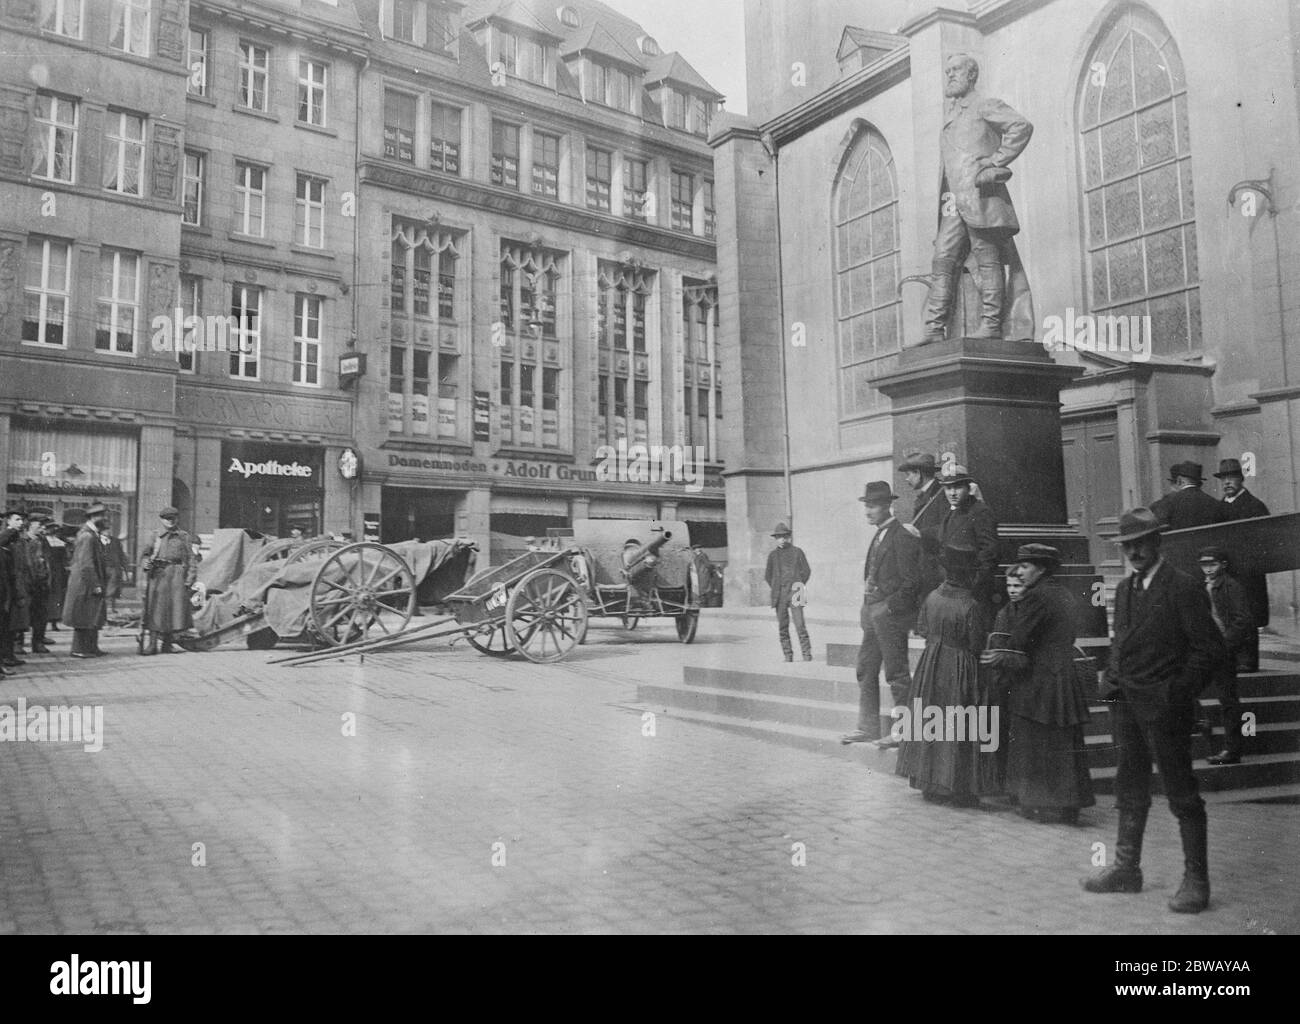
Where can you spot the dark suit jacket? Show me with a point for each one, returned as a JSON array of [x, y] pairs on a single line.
[[1247, 506], [971, 524], [83, 608], [785, 567], [1228, 599], [1188, 507], [928, 513], [898, 571], [1166, 653]]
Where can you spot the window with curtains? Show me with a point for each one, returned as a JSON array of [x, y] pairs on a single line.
[[62, 17], [197, 62], [1138, 198], [54, 142], [48, 289], [124, 153], [702, 386], [117, 318], [246, 332], [194, 181], [312, 76], [624, 304], [865, 211], [254, 76], [128, 26], [533, 359], [250, 199], [425, 293]]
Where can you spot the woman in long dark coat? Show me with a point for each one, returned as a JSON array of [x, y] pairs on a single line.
[[955, 628], [1047, 761]]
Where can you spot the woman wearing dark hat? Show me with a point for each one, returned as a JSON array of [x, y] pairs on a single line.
[[948, 770], [170, 566], [1047, 762]]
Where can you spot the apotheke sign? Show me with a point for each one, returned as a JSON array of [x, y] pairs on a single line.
[[270, 468]]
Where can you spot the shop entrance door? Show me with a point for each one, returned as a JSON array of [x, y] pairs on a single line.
[[415, 513], [269, 513]]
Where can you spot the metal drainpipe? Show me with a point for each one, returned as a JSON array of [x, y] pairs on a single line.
[[358, 529], [770, 145]]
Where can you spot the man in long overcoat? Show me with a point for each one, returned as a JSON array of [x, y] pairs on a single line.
[[85, 607], [1239, 503], [168, 563], [1187, 505], [13, 580]]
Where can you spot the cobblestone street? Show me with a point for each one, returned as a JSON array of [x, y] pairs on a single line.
[[601, 827]]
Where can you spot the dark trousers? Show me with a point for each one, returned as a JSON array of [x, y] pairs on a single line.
[[884, 644], [1225, 688], [85, 641], [1247, 654], [785, 611], [1166, 739]]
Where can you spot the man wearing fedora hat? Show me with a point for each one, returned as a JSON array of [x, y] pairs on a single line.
[[169, 564], [1187, 505], [928, 511], [1165, 651], [85, 603], [969, 523], [891, 580], [787, 574], [1239, 503]]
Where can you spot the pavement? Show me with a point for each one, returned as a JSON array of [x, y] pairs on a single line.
[[434, 789]]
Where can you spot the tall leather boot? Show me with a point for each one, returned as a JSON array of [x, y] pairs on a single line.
[[938, 307], [1193, 895], [1125, 875], [993, 287]]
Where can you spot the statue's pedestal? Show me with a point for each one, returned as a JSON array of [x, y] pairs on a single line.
[[995, 407]]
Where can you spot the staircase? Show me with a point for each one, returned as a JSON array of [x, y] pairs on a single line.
[[811, 704]]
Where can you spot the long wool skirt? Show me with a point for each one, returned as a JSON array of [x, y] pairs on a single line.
[[1047, 765]]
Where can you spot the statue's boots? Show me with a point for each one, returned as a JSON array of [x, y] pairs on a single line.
[[1193, 895], [938, 308], [1125, 875], [993, 289]]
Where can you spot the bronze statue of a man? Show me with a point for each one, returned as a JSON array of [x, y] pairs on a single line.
[[981, 136]]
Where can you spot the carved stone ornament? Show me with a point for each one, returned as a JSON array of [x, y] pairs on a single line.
[[170, 25], [166, 158], [13, 131]]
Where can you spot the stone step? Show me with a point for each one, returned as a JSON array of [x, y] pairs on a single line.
[[1264, 770], [1287, 793], [774, 708], [1281, 710], [1269, 739], [838, 688]]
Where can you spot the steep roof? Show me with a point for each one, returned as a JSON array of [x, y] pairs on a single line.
[[673, 67], [595, 38]]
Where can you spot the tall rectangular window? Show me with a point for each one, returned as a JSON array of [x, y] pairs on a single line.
[[250, 200], [62, 17], [535, 61], [312, 76], [422, 279], [598, 178], [254, 76], [197, 62], [404, 12], [505, 154], [306, 340], [46, 295], [530, 394], [444, 138], [701, 112], [118, 308], [678, 109], [507, 51], [128, 26], [446, 285], [546, 165], [399, 126], [246, 333], [55, 143], [683, 199], [634, 189], [195, 172], [396, 389], [309, 212], [597, 82], [190, 303], [618, 89], [623, 303], [710, 214], [124, 154]]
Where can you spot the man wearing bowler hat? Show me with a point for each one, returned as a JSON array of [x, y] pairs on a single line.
[[1165, 651], [891, 581], [787, 574], [85, 603], [171, 569], [928, 511], [1187, 505], [1239, 503]]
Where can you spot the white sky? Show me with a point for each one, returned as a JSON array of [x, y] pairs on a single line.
[[708, 33]]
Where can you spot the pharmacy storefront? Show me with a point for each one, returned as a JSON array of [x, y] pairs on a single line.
[[271, 488]]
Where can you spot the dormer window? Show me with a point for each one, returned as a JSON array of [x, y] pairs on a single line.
[[649, 46], [608, 85], [425, 23], [522, 56], [687, 112], [569, 16]]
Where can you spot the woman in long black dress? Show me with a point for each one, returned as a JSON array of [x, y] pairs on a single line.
[[946, 769], [1047, 762]]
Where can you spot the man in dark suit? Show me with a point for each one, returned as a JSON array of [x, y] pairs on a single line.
[[1165, 651], [85, 604], [891, 579], [928, 511], [1187, 505], [13, 580], [1239, 503], [969, 523]]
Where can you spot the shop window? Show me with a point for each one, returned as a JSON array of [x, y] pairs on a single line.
[[444, 138], [399, 126], [118, 309], [422, 360], [448, 375], [246, 342], [312, 76], [55, 142], [47, 292], [307, 340], [128, 26], [196, 167], [396, 389], [505, 155], [254, 76]]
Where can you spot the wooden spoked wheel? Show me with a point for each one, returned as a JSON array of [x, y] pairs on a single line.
[[546, 616], [491, 640], [320, 546], [360, 591], [687, 625]]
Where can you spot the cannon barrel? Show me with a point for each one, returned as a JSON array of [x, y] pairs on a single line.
[[649, 549]]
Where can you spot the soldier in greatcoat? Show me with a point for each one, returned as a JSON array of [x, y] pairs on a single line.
[[169, 564], [85, 607]]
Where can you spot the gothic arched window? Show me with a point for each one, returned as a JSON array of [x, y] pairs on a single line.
[[866, 268], [1137, 182]]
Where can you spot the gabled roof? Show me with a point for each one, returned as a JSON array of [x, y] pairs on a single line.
[[673, 67], [516, 13], [595, 38], [878, 44]]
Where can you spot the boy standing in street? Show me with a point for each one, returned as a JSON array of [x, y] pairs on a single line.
[[787, 573]]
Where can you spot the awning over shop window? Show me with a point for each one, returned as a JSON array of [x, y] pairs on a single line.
[[78, 462]]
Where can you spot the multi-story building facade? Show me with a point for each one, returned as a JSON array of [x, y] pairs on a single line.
[[1147, 117], [537, 251], [92, 114]]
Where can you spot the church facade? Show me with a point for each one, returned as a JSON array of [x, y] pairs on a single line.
[[1159, 212]]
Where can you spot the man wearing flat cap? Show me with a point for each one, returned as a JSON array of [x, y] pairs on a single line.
[[85, 605], [787, 575], [891, 581], [171, 570], [1165, 651], [1239, 503], [1187, 505], [929, 507], [1231, 610], [969, 523]]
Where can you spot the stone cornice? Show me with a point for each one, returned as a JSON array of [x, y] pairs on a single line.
[[935, 15], [349, 42], [844, 95], [539, 212]]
